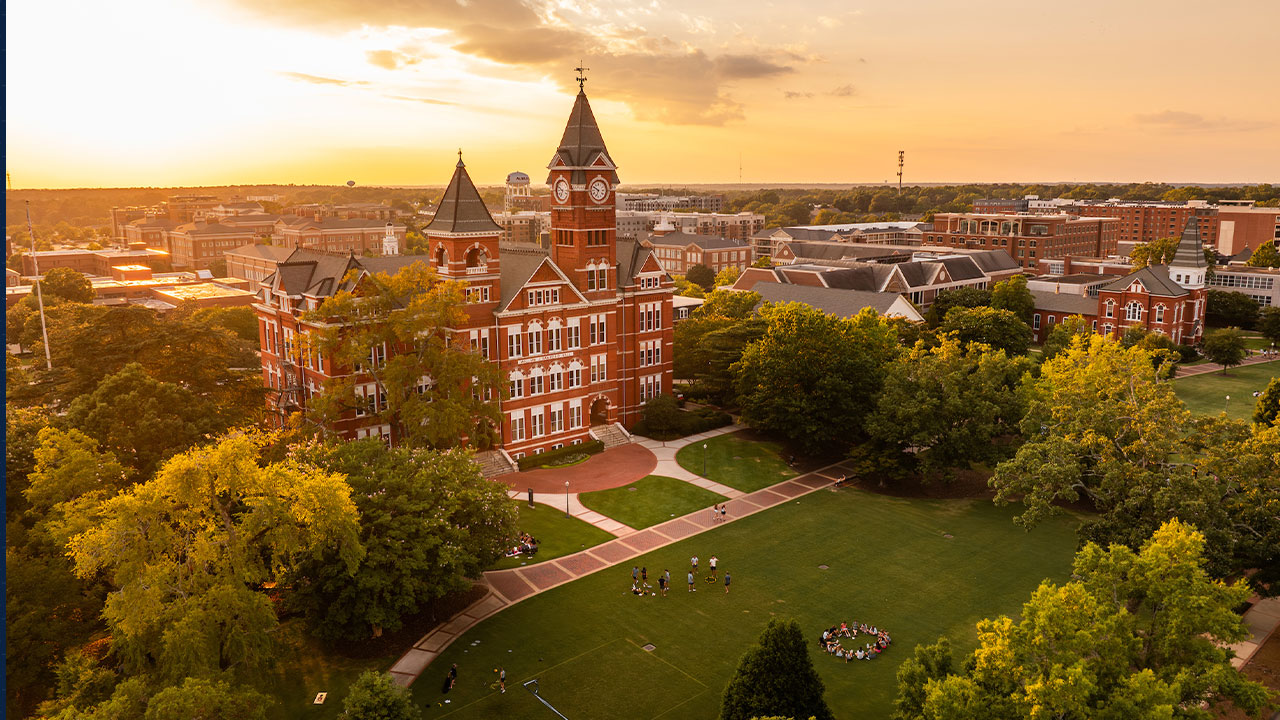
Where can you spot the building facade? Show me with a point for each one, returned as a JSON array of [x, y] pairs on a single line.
[[1028, 239], [678, 251], [333, 234], [1142, 222], [581, 331]]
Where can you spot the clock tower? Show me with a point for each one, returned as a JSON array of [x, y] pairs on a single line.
[[583, 224]]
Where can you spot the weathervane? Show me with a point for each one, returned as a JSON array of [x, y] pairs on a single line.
[[582, 74], [459, 156]]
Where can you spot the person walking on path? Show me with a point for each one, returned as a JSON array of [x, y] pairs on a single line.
[[712, 562], [715, 513], [691, 587], [724, 512], [726, 582]]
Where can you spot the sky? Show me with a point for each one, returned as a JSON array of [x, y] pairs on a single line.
[[385, 92]]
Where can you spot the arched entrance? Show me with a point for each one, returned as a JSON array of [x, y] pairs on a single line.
[[600, 411]]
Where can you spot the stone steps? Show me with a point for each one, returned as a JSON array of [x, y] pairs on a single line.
[[493, 464]]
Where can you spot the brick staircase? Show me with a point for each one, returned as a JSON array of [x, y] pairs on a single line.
[[494, 463], [611, 435]]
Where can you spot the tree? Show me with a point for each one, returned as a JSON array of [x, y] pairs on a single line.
[[1013, 295], [1225, 347], [1269, 324], [813, 377], [374, 696], [776, 677], [67, 284], [967, 296], [662, 415], [762, 262], [1063, 334], [928, 663], [188, 551], [203, 699], [1156, 252], [712, 339], [702, 276], [142, 420], [1267, 409], [428, 521], [1133, 635], [1225, 308], [1265, 255], [999, 329], [436, 393], [242, 321], [949, 404], [727, 276]]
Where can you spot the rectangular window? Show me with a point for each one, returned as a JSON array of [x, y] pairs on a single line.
[[574, 377], [514, 345], [535, 385], [553, 340], [599, 370], [591, 279], [575, 336], [535, 342], [575, 416], [1035, 321], [555, 381], [536, 425], [556, 420], [517, 428], [517, 389]]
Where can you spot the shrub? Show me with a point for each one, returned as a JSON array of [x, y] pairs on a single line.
[[530, 462]]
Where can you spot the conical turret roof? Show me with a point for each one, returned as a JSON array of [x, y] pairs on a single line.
[[582, 145], [1190, 252], [461, 209]]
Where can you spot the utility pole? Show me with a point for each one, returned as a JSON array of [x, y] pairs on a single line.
[[901, 155], [35, 266]]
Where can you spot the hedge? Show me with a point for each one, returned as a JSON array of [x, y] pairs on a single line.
[[529, 462], [691, 423]]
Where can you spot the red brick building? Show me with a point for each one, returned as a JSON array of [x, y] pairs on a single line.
[[582, 332], [1168, 299], [196, 245], [334, 234], [1142, 222], [1027, 238], [678, 251]]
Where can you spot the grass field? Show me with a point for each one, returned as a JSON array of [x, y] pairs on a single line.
[[745, 465], [557, 535], [918, 568], [1207, 394], [305, 668], [650, 500]]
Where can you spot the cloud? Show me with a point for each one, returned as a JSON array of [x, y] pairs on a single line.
[[318, 80], [795, 95], [844, 91], [658, 78], [748, 67], [390, 59], [1181, 121], [428, 101]]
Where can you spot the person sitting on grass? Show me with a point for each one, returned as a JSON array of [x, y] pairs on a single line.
[[861, 655], [844, 630]]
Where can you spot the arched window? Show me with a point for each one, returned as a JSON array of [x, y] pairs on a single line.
[[1110, 308], [476, 257], [1133, 311], [441, 258], [1159, 314]]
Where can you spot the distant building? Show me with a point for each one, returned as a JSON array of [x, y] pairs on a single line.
[[1141, 221], [197, 245], [637, 224], [152, 231], [838, 302], [231, 209], [333, 234], [1242, 229], [678, 251], [682, 307], [1260, 284], [524, 226], [255, 262], [1000, 206], [651, 202], [1027, 238], [189, 208], [94, 262], [137, 284]]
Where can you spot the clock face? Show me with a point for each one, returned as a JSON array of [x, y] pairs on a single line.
[[562, 190], [599, 190]]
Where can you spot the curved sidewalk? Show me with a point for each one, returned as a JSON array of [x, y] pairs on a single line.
[[508, 587], [612, 468]]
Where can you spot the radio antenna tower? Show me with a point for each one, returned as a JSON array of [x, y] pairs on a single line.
[[901, 155], [739, 168]]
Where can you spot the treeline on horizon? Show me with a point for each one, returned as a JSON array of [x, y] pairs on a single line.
[[91, 207]]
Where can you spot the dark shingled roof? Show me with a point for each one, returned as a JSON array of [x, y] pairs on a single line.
[[266, 252], [994, 261], [461, 209], [842, 303], [706, 242], [1154, 277], [1068, 303], [631, 257], [1190, 249], [582, 141], [519, 262]]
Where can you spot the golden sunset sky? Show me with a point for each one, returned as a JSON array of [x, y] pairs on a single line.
[[208, 92]]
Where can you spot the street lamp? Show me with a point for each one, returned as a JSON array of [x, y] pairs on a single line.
[[704, 459], [1226, 406], [566, 498]]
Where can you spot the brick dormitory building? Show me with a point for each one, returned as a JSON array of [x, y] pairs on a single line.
[[582, 331]]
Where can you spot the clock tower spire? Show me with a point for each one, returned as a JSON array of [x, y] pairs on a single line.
[[583, 225]]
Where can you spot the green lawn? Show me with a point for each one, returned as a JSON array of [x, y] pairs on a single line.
[[1207, 394], [650, 500], [742, 464], [557, 535], [305, 668], [919, 568]]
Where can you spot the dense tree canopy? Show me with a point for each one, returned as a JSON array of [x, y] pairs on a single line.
[[375, 696], [949, 404], [712, 339], [62, 283], [1133, 635], [776, 678], [813, 377], [1013, 295], [428, 521], [702, 276], [1267, 409], [999, 329], [1269, 324], [967, 296], [1225, 308], [1225, 347], [1265, 255], [435, 392]]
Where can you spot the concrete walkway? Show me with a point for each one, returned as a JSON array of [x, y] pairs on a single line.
[[667, 465], [508, 587], [1261, 620], [1206, 368]]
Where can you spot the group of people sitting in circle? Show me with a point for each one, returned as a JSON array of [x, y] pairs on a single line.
[[830, 641], [527, 545]]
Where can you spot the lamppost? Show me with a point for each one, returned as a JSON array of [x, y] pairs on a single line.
[[1227, 405], [704, 459], [566, 498]]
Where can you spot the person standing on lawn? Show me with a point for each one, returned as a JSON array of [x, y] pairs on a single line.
[[502, 679], [712, 562], [691, 587], [726, 582]]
